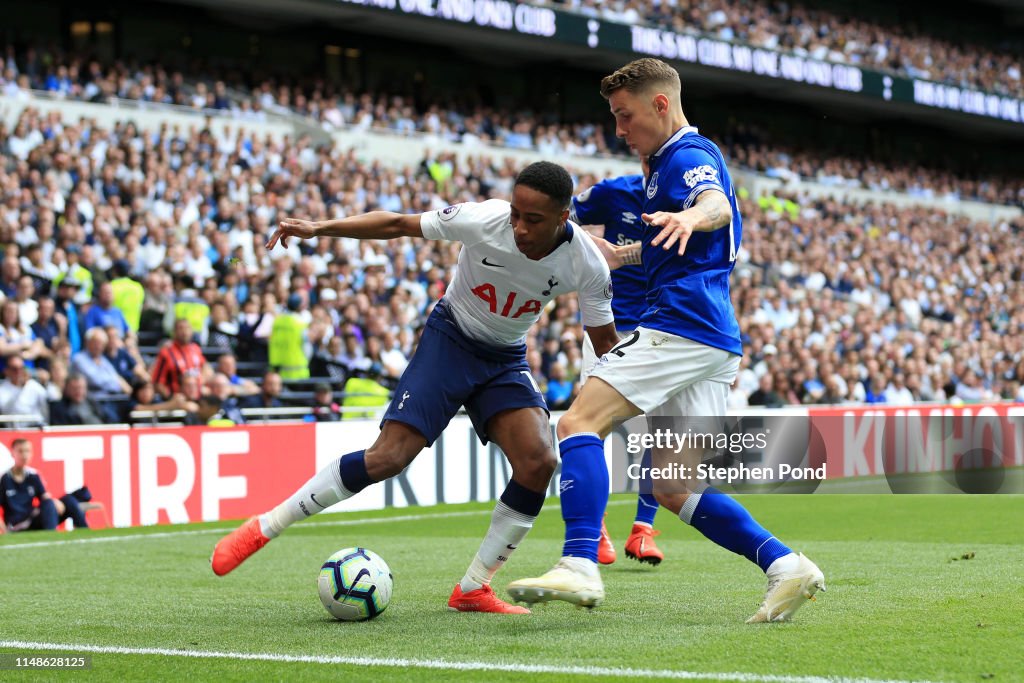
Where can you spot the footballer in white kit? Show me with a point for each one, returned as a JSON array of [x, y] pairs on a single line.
[[516, 257]]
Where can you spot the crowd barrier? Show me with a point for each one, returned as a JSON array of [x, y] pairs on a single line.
[[189, 474]]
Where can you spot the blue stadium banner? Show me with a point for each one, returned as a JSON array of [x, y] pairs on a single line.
[[694, 48]]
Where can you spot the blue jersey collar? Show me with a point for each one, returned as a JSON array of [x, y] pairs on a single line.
[[685, 130]]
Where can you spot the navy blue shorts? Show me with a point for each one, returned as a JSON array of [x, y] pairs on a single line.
[[449, 370]]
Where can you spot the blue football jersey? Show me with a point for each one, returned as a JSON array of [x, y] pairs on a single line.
[[616, 203], [688, 295]]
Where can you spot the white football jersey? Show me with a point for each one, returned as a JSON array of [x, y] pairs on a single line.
[[497, 292]]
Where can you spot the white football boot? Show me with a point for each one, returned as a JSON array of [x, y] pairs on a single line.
[[564, 582], [788, 590]]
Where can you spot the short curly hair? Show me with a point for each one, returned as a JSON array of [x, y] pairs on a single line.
[[642, 75], [547, 178]]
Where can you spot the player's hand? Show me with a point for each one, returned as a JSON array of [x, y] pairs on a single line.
[[673, 230], [292, 227], [608, 250]]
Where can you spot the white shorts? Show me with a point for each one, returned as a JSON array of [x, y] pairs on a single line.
[[666, 375]]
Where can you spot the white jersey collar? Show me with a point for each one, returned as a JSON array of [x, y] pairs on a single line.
[[685, 130]]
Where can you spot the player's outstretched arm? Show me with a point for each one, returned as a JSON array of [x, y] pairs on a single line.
[[376, 225], [710, 212], [616, 256]]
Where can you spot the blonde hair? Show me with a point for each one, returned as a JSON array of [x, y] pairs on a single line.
[[643, 75]]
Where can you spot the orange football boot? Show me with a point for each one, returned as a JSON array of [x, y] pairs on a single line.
[[641, 547], [605, 547], [233, 549], [481, 600]]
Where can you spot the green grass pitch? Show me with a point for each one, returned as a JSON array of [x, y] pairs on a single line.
[[898, 606]]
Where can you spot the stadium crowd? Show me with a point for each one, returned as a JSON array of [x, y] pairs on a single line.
[[78, 77], [904, 50], [839, 303]]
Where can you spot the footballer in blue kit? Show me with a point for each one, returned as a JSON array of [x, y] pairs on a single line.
[[616, 204], [679, 362]]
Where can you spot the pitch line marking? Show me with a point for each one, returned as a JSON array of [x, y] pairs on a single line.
[[442, 664], [203, 532]]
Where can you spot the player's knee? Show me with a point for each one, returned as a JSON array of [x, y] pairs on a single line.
[[569, 424], [670, 500], [388, 457], [535, 468]]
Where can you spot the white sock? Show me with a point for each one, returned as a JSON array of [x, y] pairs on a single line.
[[582, 565], [322, 491], [508, 529]]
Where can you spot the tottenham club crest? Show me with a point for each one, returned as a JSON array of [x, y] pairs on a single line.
[[652, 186]]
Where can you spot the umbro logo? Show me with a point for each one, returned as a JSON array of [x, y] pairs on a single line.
[[565, 485], [492, 265]]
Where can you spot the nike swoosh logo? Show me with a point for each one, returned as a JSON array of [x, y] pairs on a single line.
[[493, 265], [511, 547], [313, 496]]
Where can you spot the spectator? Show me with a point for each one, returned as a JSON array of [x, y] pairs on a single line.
[[77, 408], [104, 314], [48, 328], [559, 391], [221, 332], [875, 389], [209, 413], [181, 357], [125, 357], [897, 393], [270, 393], [227, 365], [67, 292], [765, 394], [54, 379], [17, 339], [324, 407], [91, 363], [144, 399], [24, 296], [288, 342], [22, 395], [127, 295], [26, 503], [158, 300], [221, 387], [10, 272]]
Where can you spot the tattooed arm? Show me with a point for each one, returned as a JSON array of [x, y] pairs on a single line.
[[710, 212]]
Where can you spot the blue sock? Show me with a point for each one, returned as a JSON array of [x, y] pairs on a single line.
[[646, 504], [728, 524], [584, 493], [353, 472]]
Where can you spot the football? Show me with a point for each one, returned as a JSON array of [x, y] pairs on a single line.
[[355, 584]]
